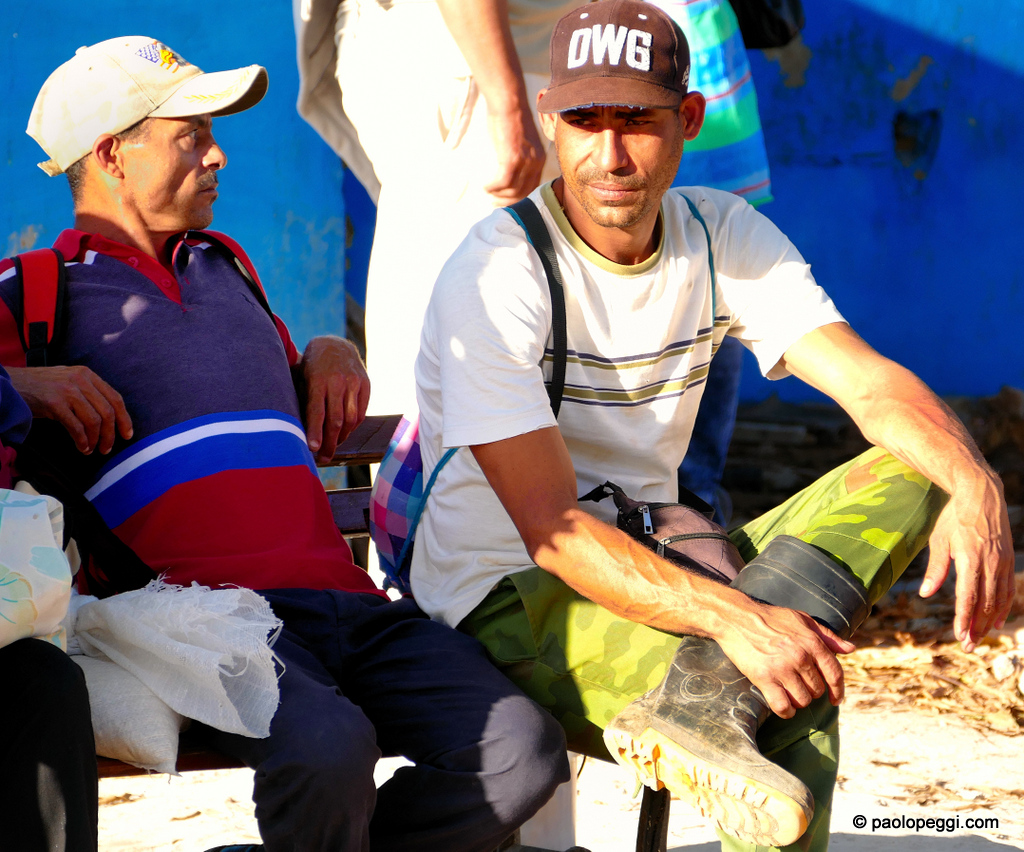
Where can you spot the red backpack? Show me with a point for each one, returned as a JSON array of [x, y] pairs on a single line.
[[42, 281]]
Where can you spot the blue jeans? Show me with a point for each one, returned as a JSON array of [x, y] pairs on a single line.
[[704, 464], [365, 676]]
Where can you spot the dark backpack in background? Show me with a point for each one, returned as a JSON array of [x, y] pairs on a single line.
[[768, 23]]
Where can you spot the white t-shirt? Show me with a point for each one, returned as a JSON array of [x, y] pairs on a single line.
[[640, 339]]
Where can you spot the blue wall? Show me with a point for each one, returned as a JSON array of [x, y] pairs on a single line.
[[921, 257], [281, 193], [918, 248]]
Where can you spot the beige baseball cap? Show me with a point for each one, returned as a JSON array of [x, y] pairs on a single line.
[[110, 86]]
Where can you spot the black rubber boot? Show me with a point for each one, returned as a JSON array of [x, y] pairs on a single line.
[[696, 732]]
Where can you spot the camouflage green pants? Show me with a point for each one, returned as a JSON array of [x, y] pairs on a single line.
[[584, 664]]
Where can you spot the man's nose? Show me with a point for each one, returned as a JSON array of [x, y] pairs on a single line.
[[611, 153], [215, 157]]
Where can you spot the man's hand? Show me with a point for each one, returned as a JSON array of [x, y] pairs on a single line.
[[786, 654], [483, 35], [520, 155], [973, 531], [90, 409], [337, 393]]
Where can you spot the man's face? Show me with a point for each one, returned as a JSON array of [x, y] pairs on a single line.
[[617, 161], [170, 173]]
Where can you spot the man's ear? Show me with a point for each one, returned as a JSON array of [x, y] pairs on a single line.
[[106, 153], [691, 114], [548, 120]]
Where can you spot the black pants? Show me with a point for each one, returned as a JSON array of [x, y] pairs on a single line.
[[364, 676], [48, 788]]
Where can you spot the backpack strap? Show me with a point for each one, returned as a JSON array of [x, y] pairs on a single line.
[[525, 212], [711, 258], [42, 281], [239, 258]]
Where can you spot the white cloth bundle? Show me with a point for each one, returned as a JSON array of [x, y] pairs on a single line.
[[35, 578], [206, 653]]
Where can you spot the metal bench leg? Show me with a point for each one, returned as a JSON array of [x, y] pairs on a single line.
[[652, 832]]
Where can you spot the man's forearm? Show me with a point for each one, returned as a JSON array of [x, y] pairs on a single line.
[[481, 31], [891, 406]]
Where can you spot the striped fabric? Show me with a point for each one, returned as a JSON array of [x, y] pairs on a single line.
[[729, 153], [193, 449], [626, 381]]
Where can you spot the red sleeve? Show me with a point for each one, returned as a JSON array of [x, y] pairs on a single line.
[[11, 352], [286, 339]]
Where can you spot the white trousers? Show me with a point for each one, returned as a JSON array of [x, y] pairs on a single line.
[[423, 124]]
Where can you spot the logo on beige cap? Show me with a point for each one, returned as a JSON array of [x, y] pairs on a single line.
[[162, 55]]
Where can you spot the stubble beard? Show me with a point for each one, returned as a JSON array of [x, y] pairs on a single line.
[[651, 190]]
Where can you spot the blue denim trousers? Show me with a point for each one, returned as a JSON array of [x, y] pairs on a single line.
[[365, 676]]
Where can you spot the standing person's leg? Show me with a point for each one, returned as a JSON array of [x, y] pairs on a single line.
[[486, 758], [48, 758], [433, 160], [704, 463]]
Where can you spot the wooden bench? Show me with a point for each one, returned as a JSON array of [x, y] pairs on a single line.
[[350, 507]]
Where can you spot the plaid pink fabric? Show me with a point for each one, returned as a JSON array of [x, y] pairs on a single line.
[[395, 501]]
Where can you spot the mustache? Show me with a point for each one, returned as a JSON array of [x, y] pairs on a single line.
[[619, 181], [208, 181]]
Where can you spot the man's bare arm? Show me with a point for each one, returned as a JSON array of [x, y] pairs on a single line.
[[788, 655], [896, 410], [481, 31], [337, 391], [89, 408]]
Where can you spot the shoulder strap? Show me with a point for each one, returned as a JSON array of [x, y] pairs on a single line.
[[239, 258], [711, 257], [43, 284], [525, 212]]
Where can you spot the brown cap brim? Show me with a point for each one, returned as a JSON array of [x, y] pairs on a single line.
[[608, 91]]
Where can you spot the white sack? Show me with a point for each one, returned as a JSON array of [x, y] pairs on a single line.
[[206, 653]]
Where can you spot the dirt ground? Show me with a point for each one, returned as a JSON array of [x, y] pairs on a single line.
[[927, 733], [896, 764]]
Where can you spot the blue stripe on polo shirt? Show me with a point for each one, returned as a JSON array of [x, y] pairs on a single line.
[[194, 449]]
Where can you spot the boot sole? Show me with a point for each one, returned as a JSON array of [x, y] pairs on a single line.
[[738, 805]]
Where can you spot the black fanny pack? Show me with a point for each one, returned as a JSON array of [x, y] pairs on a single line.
[[683, 533]]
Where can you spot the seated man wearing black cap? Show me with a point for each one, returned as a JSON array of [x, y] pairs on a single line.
[[738, 716], [172, 367]]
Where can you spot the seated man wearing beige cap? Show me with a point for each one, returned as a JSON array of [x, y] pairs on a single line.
[[724, 692], [178, 388]]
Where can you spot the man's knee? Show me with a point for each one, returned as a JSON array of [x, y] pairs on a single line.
[[326, 751], [44, 672], [315, 790], [523, 756]]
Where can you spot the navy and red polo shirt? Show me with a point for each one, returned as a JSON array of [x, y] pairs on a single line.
[[217, 484]]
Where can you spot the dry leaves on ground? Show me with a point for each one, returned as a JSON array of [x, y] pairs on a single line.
[[908, 657]]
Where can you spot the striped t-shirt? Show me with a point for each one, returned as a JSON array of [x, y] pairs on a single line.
[[640, 339]]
